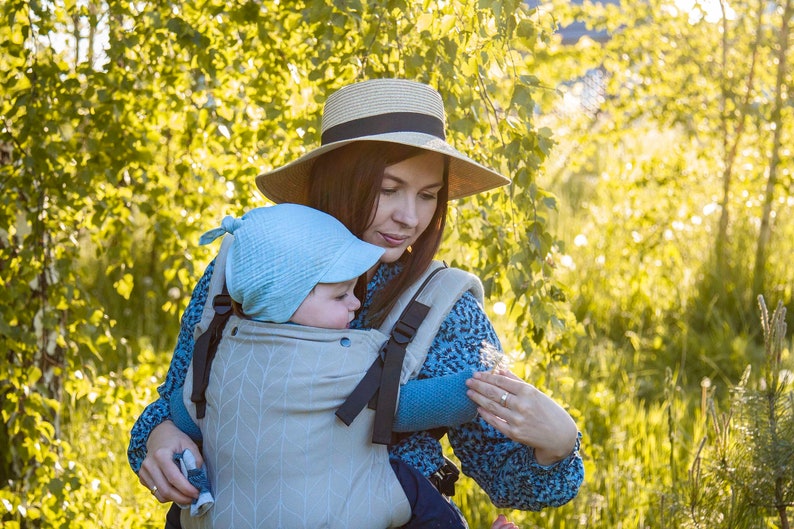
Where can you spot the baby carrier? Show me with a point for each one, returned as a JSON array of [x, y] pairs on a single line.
[[277, 448]]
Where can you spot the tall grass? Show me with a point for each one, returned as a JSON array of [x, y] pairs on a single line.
[[635, 451], [99, 411]]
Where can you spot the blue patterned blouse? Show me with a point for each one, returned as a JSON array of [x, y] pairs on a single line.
[[507, 471]]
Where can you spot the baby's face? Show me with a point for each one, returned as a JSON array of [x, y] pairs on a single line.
[[328, 306]]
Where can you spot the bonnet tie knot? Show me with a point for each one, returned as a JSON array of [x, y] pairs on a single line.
[[228, 225]]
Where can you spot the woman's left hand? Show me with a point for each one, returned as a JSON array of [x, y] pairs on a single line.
[[524, 414]]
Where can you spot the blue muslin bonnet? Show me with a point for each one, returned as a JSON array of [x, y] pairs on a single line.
[[281, 252]]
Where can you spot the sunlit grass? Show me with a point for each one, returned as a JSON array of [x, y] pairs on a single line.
[[99, 411]]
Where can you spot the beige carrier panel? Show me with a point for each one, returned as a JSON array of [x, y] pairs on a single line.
[[276, 454]]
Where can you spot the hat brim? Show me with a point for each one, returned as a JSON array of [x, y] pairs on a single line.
[[352, 261], [289, 183]]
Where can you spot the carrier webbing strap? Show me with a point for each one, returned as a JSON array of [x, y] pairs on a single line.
[[394, 354], [205, 347], [382, 379], [364, 392]]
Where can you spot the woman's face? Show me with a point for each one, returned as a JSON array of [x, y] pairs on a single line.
[[407, 202]]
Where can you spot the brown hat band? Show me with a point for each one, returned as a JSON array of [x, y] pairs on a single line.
[[384, 124]]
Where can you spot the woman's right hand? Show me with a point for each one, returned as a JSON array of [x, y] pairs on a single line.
[[158, 471]]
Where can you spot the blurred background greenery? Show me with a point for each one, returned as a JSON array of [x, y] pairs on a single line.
[[650, 147]]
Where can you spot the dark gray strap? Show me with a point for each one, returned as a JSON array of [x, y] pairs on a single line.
[[382, 379], [205, 347]]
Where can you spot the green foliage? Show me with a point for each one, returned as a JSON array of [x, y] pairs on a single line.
[[80, 477], [128, 129], [661, 191], [741, 475], [622, 251], [663, 187]]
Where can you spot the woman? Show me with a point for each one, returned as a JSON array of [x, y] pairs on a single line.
[[385, 170]]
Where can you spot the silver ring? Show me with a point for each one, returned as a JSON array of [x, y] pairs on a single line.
[[154, 490], [503, 399]]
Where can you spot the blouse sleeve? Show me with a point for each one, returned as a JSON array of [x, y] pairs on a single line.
[[159, 410], [506, 470]]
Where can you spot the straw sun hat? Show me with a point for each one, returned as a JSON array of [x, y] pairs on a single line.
[[390, 110]]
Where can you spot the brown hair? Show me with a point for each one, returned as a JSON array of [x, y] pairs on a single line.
[[346, 183]]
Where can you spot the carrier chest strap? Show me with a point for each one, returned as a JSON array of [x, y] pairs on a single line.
[[205, 347]]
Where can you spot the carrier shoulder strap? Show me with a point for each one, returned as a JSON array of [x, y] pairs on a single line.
[[382, 379], [441, 294], [429, 301], [206, 343]]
